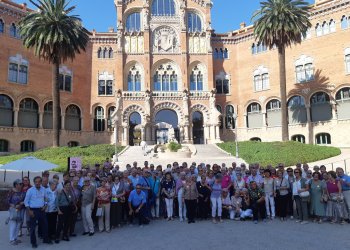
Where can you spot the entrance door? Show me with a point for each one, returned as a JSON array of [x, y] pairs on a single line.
[[165, 119], [134, 130], [197, 128]]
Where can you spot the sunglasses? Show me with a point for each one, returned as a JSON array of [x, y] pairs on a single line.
[[289, 171], [296, 172]]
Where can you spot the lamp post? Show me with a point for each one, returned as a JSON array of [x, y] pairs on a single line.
[[236, 141]]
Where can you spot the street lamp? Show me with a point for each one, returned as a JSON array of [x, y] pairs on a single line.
[[235, 119]]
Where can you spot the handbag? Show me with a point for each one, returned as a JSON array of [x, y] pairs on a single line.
[[325, 198], [304, 194], [99, 212], [339, 198], [14, 214]]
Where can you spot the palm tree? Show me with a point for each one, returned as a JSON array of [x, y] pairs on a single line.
[[55, 36], [281, 23]]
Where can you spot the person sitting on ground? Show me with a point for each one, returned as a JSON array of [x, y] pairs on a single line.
[[257, 201], [236, 202], [247, 212], [227, 211]]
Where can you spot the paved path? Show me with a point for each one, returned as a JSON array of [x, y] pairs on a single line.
[[342, 160], [204, 235]]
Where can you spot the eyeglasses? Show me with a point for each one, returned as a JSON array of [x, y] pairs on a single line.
[[289, 171], [296, 172]]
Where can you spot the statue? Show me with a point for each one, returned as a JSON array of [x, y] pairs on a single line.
[[148, 102], [215, 114], [145, 19], [185, 102], [119, 101], [171, 135]]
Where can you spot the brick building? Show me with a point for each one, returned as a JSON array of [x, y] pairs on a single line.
[[165, 69]]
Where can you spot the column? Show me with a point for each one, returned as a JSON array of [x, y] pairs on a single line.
[[264, 120], [206, 134], [153, 131], [309, 125], [41, 119], [334, 111], [125, 135], [143, 133], [81, 123], [63, 121], [186, 132], [217, 137], [212, 133], [15, 118], [116, 133]]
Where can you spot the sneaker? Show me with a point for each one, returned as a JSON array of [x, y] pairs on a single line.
[[272, 217], [304, 223], [181, 220], [85, 233], [255, 222], [91, 234], [214, 221], [34, 246], [18, 241], [221, 221], [13, 243], [297, 221], [292, 218]]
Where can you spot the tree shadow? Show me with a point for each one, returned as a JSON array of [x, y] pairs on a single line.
[[319, 82]]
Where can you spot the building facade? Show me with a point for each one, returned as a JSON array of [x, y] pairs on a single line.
[[166, 69]]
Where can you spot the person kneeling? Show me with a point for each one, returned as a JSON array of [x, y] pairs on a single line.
[[137, 202], [227, 210]]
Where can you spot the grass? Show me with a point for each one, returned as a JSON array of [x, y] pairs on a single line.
[[89, 154], [273, 153], [174, 147]]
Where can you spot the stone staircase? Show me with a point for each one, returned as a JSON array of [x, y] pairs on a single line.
[[208, 154]]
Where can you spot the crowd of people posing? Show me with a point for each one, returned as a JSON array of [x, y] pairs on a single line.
[[104, 196]]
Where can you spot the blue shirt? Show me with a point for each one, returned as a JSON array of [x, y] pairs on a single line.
[[145, 182], [346, 181], [134, 180], [51, 200], [35, 198], [136, 199]]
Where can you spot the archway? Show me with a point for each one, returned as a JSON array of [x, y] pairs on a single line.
[[166, 119], [135, 136], [197, 127]]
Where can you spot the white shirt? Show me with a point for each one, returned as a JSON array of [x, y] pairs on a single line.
[[296, 187]]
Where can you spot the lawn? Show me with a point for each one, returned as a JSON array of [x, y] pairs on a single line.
[[89, 154], [273, 153]]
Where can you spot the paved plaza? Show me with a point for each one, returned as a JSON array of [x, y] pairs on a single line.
[[204, 235]]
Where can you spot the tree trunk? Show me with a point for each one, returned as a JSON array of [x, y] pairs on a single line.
[[56, 112], [283, 92]]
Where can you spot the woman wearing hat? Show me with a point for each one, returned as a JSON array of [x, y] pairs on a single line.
[[16, 200], [168, 187]]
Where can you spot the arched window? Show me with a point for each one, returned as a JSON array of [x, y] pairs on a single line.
[[321, 110], [216, 53], [222, 86], [73, 118], [218, 107], [194, 22], [196, 79], [343, 103], [27, 146], [6, 111], [332, 26], [133, 22], [225, 53], [256, 139], [73, 144], [2, 26], [99, 121], [165, 79], [325, 28], [254, 116], [254, 50], [323, 139], [105, 84], [28, 115], [109, 121], [221, 54], [47, 119], [163, 8], [229, 119], [345, 22], [4, 146], [13, 30], [99, 53], [297, 110], [273, 113], [105, 53], [318, 29], [110, 53], [135, 78], [298, 138]]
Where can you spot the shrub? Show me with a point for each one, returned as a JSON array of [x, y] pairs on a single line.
[[174, 147], [90, 155], [273, 153]]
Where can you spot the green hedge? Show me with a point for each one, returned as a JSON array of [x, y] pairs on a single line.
[[273, 153], [89, 154], [174, 147]]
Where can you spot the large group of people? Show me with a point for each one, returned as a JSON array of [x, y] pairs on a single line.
[[105, 198]]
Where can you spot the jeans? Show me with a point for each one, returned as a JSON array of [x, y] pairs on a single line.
[[169, 207], [182, 206], [248, 213], [270, 202], [87, 219], [301, 207], [155, 208], [104, 220], [216, 204], [347, 200], [40, 217], [15, 226]]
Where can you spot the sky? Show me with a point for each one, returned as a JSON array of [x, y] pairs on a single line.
[[226, 14]]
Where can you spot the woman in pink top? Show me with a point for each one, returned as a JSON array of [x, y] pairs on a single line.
[[336, 209]]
